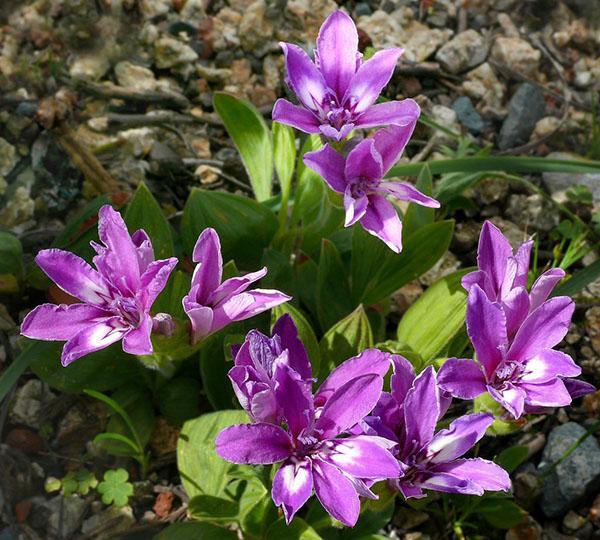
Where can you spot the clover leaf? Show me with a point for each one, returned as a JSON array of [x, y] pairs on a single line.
[[115, 487]]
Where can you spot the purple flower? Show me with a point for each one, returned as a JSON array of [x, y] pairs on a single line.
[[212, 305], [116, 297], [313, 449], [430, 460], [359, 177], [513, 332], [337, 93], [256, 361]]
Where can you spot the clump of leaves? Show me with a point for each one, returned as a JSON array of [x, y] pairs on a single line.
[[80, 481], [115, 488]]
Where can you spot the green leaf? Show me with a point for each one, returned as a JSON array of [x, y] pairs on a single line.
[[510, 458], [501, 513], [487, 404], [143, 212], [377, 271], [195, 531], [255, 508], [296, 530], [102, 370], [179, 399], [305, 332], [202, 471], [374, 514], [169, 300], [514, 164], [252, 137], [209, 508], [115, 488], [11, 255], [215, 362], [431, 323], [417, 216], [345, 339], [451, 186], [579, 281], [333, 290], [245, 227], [284, 148]]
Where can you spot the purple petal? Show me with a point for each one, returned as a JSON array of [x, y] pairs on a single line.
[[486, 326], [329, 165], [544, 285], [122, 255], [349, 404], [511, 398], [201, 318], [92, 339], [483, 473], [246, 305], [464, 379], [254, 444], [460, 437], [285, 112], [286, 329], [522, 257], [516, 309], [337, 47], [74, 276], [448, 483], [208, 271], [236, 285], [295, 398], [363, 457], [336, 493], [330, 132], [479, 277], [292, 487], [409, 491], [137, 341], [370, 79], [407, 192], [155, 278], [303, 77], [548, 365], [145, 251], [548, 394], [355, 208], [401, 114], [578, 388], [493, 253], [542, 329], [421, 410], [364, 162], [50, 322], [402, 379], [369, 362], [381, 220]]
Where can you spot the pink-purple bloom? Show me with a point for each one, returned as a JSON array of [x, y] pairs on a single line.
[[514, 333], [212, 305], [428, 460], [116, 297], [337, 92], [314, 447], [359, 178]]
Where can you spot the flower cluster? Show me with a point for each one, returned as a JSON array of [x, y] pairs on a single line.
[[337, 95], [513, 332]]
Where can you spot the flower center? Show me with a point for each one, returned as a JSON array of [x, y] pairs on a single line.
[[508, 371], [361, 186], [335, 114], [129, 310]]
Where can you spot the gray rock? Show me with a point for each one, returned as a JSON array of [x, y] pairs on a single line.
[[575, 476], [8, 157], [60, 516], [30, 403], [134, 76], [557, 182], [120, 518], [516, 53], [467, 115], [170, 52], [89, 66], [525, 108], [532, 211], [464, 51]]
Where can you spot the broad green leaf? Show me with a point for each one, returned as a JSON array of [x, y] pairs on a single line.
[[179, 399], [500, 512], [345, 339], [202, 471], [196, 531], [305, 332], [143, 212], [377, 271], [513, 164], [250, 133], [256, 508], [209, 508], [510, 458], [245, 227], [374, 514], [103, 370], [431, 323], [333, 290], [169, 300], [11, 255], [296, 530], [306, 278], [487, 404], [579, 280], [417, 216], [284, 149]]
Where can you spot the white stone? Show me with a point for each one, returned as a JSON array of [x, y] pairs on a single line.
[[464, 51], [134, 76]]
